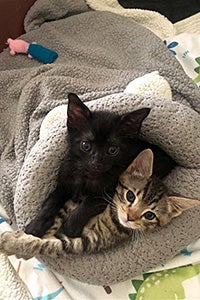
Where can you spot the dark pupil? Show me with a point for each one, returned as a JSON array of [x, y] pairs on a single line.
[[149, 215], [130, 196], [86, 146], [113, 150]]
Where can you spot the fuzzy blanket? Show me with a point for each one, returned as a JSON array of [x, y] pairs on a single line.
[[99, 54], [11, 287], [152, 20]]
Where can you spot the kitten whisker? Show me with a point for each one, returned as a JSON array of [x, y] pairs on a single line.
[[146, 239], [109, 200], [135, 237], [107, 195], [119, 196]]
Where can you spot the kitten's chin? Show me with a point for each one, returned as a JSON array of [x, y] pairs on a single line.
[[89, 172]]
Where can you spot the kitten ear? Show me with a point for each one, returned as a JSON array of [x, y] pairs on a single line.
[[130, 123], [142, 164], [179, 204], [77, 112]]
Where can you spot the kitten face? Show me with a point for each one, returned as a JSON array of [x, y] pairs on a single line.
[[99, 139], [97, 146], [142, 201], [141, 208]]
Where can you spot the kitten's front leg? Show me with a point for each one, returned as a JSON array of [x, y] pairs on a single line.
[[27, 246], [81, 215], [18, 243], [46, 216]]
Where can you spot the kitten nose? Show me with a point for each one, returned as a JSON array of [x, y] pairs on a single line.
[[96, 166], [130, 217], [133, 215]]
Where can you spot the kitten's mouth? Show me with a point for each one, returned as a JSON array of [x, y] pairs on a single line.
[[129, 224], [92, 173]]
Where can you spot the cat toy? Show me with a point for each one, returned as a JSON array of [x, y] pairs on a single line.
[[33, 50]]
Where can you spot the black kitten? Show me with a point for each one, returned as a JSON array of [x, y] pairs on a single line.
[[101, 146]]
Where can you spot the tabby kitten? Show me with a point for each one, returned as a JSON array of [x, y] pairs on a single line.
[[101, 145], [141, 202]]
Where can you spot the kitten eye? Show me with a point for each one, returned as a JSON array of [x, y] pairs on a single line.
[[86, 146], [113, 150], [130, 196], [149, 215]]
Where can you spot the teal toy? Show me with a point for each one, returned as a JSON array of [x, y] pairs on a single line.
[[40, 53]]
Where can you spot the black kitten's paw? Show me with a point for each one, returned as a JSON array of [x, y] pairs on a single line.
[[70, 228], [38, 228], [34, 230]]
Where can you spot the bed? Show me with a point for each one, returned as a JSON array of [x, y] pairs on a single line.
[[82, 67]]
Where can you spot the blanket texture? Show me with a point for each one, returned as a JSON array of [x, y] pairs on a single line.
[[99, 54], [175, 10], [11, 287], [153, 20]]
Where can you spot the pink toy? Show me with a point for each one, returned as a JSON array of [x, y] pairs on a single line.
[[42, 54], [17, 46]]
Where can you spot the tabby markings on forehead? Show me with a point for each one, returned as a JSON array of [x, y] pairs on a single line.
[[146, 188], [152, 208], [157, 199], [138, 193], [122, 185]]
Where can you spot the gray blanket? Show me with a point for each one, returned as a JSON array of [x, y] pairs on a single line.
[[99, 54]]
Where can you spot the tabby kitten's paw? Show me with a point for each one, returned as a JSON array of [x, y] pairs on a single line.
[[8, 241], [10, 237], [18, 243], [3, 239]]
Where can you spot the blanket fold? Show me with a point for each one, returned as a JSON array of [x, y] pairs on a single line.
[[99, 54], [48, 10]]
